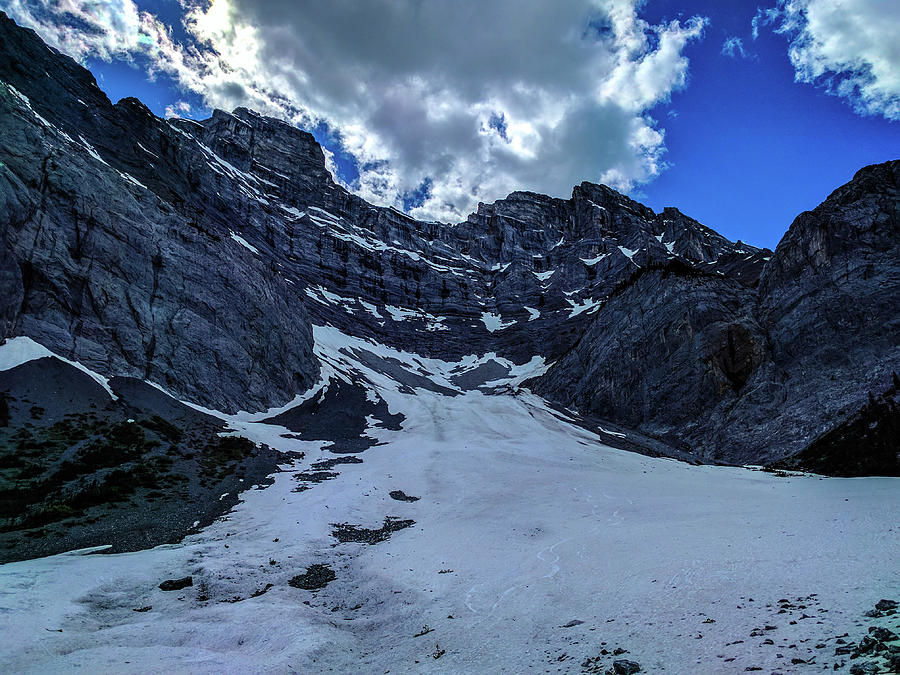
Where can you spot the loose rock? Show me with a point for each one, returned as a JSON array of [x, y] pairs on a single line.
[[176, 584], [626, 667]]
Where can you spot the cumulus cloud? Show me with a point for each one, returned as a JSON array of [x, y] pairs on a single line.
[[105, 29], [734, 47], [850, 47], [441, 104]]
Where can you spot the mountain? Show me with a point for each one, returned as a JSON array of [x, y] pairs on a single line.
[[198, 255], [326, 436], [752, 374]]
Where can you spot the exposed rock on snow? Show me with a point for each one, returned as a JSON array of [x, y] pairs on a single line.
[[176, 584], [345, 532], [626, 667], [401, 496], [315, 577]]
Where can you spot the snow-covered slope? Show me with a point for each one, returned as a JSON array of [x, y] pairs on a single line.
[[534, 548]]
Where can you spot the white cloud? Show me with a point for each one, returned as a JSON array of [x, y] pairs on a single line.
[[851, 47], [104, 29], [763, 17], [177, 109], [415, 90], [734, 47]]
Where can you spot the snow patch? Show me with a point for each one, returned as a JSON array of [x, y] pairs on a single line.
[[91, 150], [292, 210], [370, 308], [589, 305], [131, 179], [18, 350], [432, 322], [594, 261], [243, 242], [494, 322], [628, 253], [611, 433], [147, 151]]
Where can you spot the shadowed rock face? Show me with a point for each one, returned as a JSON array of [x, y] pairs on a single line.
[[115, 248], [863, 445], [742, 374], [828, 302], [197, 255], [672, 343]]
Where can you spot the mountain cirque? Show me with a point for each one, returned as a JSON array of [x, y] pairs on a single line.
[[463, 430], [198, 256]]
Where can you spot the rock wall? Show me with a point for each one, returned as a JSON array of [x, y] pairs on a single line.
[[198, 254], [755, 374]]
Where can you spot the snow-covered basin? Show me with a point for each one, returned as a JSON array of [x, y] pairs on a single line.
[[538, 524]]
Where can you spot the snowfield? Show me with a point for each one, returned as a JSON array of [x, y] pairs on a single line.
[[534, 548]]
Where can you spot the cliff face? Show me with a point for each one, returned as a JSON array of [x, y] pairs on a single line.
[[743, 374], [197, 255], [829, 303], [116, 247]]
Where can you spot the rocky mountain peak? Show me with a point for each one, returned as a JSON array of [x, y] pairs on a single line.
[[199, 255], [604, 196], [271, 149]]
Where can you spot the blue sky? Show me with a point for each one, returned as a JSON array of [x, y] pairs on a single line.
[[433, 110], [751, 148]]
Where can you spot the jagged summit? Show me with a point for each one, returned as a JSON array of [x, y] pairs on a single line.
[[199, 254]]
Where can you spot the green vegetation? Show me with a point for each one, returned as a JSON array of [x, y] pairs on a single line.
[[63, 479], [52, 473], [220, 455]]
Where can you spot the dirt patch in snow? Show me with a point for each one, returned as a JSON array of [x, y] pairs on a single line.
[[315, 577], [345, 532]]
